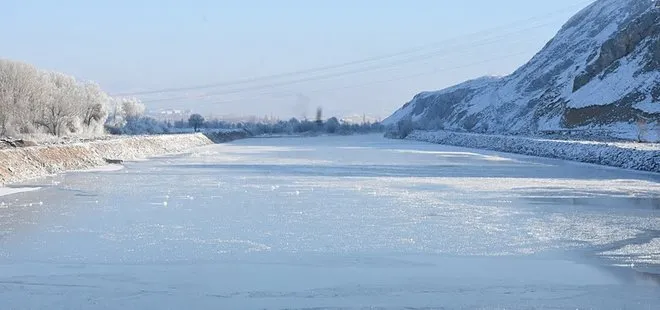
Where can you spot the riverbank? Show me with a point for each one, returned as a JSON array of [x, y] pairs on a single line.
[[628, 155], [26, 163]]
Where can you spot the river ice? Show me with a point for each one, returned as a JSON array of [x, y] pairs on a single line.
[[334, 223]]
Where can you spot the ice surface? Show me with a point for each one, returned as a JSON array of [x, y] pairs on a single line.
[[334, 223], [106, 168], [4, 191]]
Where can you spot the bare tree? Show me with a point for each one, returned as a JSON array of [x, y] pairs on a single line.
[[332, 125], [3, 122], [196, 121], [4, 106]]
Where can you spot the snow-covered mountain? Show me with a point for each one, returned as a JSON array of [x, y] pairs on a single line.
[[601, 70]]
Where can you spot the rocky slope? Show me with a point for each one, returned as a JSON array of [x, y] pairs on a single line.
[[601, 72]]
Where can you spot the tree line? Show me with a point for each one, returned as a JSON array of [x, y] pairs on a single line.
[[34, 101], [295, 126], [196, 122], [290, 127]]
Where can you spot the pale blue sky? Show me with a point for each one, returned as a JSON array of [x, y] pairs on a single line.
[[153, 44]]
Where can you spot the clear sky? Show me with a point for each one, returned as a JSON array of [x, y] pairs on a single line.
[[137, 45]]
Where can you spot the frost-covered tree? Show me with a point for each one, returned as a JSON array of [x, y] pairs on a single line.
[[132, 108], [58, 112], [115, 118], [19, 85], [36, 101], [94, 111]]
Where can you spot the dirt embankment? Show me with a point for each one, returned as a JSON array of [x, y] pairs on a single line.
[[25, 163]]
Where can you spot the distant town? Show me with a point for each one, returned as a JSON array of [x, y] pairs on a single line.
[[173, 115]]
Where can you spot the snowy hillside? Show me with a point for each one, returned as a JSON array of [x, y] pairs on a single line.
[[601, 71]]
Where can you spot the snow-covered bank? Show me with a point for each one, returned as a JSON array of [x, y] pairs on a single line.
[[644, 157], [20, 164]]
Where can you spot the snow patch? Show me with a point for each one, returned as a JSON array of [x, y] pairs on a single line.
[[613, 86], [649, 106], [106, 168], [6, 191]]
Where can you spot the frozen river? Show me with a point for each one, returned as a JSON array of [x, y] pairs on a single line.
[[333, 223]]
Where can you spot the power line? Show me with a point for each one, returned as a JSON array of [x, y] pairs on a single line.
[[426, 73], [341, 65], [344, 73]]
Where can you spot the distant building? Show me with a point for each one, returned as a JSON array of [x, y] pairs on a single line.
[[170, 114]]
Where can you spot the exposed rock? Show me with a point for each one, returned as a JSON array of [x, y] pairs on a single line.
[[601, 72], [621, 45], [113, 161]]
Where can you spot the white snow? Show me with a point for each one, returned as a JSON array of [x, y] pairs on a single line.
[[5, 191], [476, 84], [645, 157], [649, 106], [644, 253], [503, 104], [399, 114], [613, 86], [106, 168]]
